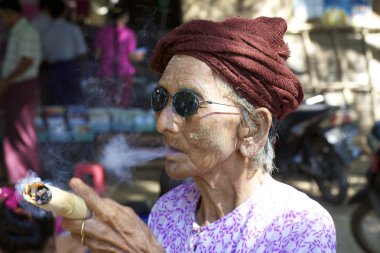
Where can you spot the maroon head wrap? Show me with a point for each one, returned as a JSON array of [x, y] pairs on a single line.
[[250, 54]]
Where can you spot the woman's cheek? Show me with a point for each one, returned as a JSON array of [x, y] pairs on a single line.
[[215, 135], [202, 137]]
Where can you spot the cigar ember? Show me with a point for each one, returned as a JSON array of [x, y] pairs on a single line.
[[38, 192], [60, 202]]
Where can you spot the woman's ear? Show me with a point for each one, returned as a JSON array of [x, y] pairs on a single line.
[[248, 147], [263, 126], [251, 143]]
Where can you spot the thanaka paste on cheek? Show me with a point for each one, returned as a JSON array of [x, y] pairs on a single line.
[[209, 135]]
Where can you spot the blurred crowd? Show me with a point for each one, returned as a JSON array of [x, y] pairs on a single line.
[[44, 61], [65, 53]]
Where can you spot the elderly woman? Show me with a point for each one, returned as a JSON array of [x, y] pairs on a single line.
[[222, 86]]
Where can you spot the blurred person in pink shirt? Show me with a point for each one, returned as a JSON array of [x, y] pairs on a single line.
[[115, 57]]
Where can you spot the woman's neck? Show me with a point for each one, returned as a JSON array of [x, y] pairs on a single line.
[[225, 190]]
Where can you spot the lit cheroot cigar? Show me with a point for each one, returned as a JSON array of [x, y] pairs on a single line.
[[60, 202]]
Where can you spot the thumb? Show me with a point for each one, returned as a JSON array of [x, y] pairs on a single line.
[[89, 195]]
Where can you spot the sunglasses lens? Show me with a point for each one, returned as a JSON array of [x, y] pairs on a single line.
[[185, 103], [158, 99]]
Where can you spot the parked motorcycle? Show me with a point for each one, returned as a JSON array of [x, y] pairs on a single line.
[[318, 141], [365, 219]]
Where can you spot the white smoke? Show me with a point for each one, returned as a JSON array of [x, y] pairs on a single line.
[[120, 159]]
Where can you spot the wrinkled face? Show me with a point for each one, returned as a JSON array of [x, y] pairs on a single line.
[[203, 142]]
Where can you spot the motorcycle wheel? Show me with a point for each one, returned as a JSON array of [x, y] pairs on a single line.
[[332, 180], [365, 227]]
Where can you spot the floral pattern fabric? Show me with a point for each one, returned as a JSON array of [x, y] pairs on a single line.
[[276, 218]]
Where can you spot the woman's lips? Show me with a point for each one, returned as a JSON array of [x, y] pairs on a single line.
[[172, 153]]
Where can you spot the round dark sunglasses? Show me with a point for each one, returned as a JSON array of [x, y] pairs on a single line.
[[185, 103]]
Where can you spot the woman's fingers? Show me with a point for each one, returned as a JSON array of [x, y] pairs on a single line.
[[92, 199], [74, 226], [113, 228], [96, 235], [104, 207], [71, 225]]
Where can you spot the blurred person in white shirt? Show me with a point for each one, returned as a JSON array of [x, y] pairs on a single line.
[[41, 22], [20, 91], [43, 19], [64, 48]]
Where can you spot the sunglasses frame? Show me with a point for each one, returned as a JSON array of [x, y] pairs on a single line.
[[167, 96]]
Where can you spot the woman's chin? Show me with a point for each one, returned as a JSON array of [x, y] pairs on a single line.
[[175, 172]]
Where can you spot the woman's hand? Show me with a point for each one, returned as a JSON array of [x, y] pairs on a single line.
[[113, 227]]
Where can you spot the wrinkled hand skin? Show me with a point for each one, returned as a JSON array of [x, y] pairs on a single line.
[[113, 227]]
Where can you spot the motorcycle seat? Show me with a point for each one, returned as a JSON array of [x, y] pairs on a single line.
[[302, 114], [314, 107]]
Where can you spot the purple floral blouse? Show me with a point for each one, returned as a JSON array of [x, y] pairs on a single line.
[[276, 218]]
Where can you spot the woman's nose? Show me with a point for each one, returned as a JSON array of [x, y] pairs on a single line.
[[167, 120]]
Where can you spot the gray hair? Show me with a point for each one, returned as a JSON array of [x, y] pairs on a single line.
[[265, 158]]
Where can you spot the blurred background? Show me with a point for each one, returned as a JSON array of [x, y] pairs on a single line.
[[335, 52]]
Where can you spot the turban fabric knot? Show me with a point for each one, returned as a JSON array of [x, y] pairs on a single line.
[[249, 54]]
